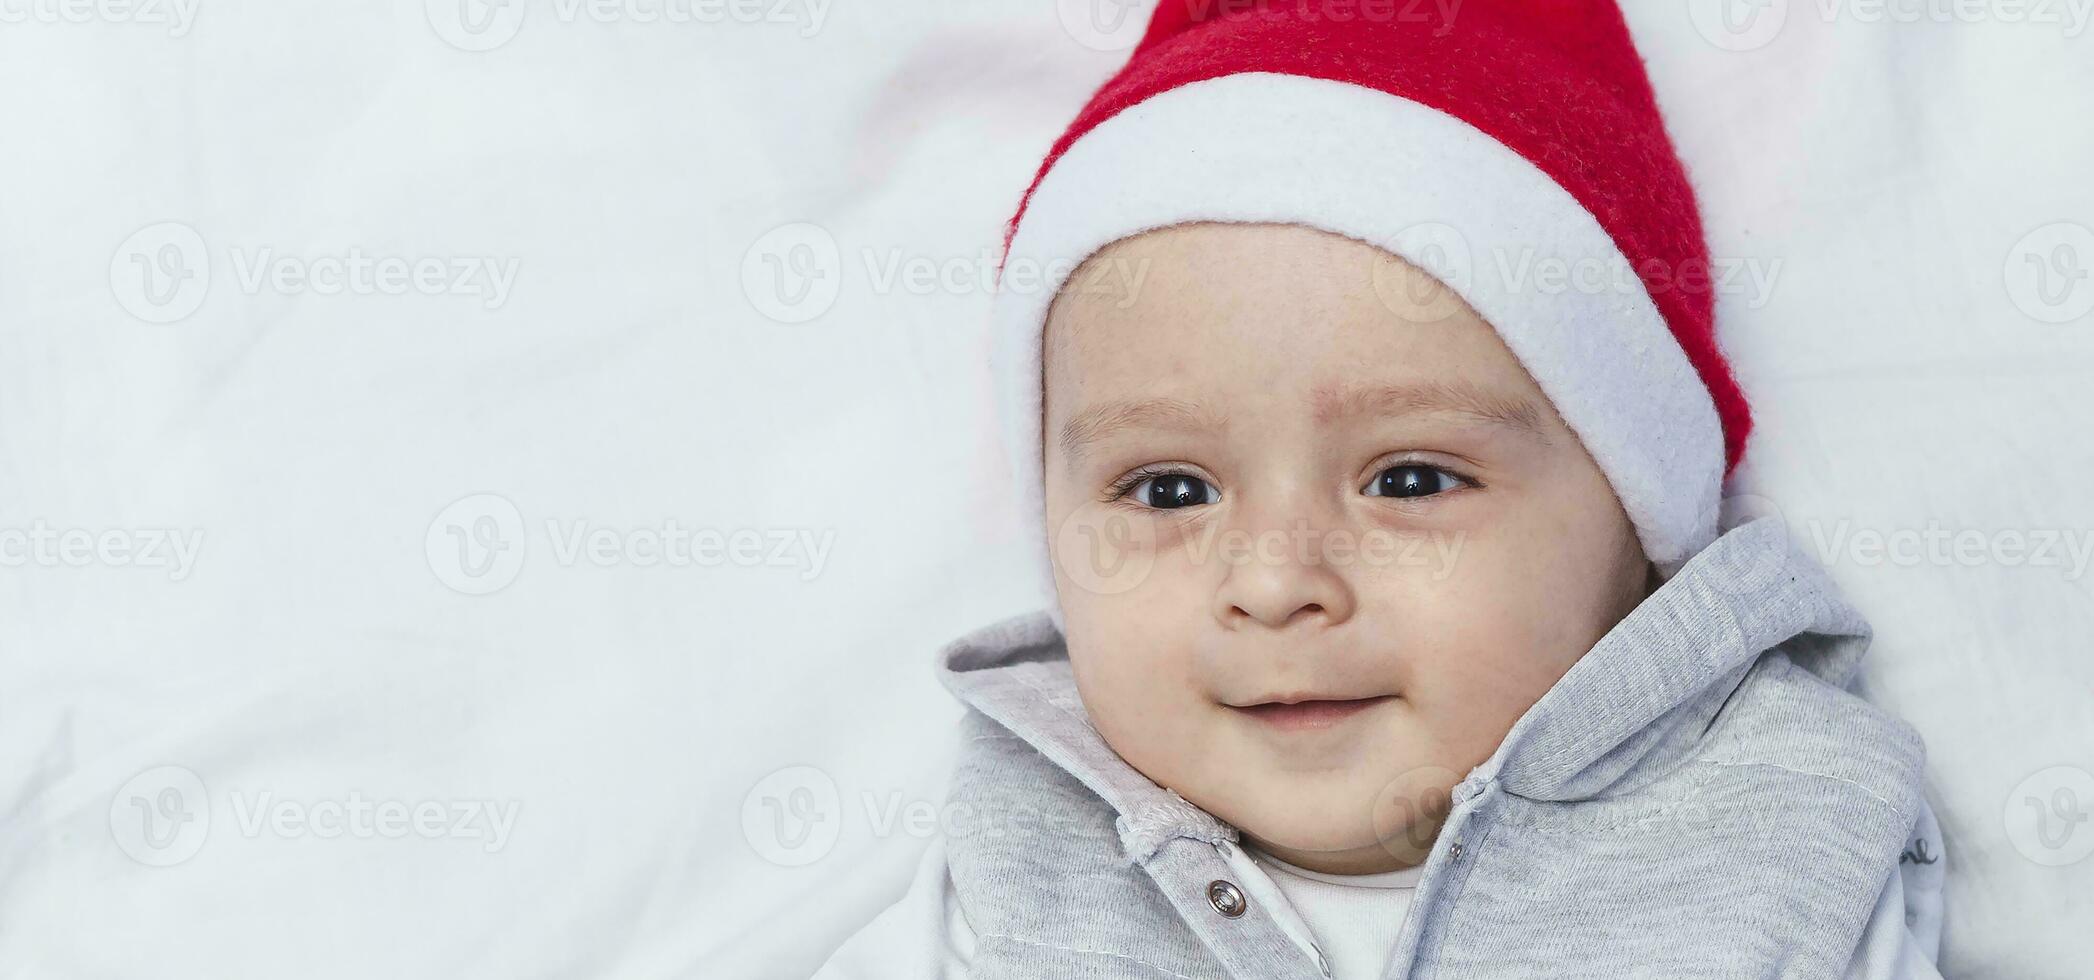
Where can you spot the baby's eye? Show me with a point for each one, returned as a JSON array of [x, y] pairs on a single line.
[[1412, 480], [1170, 491]]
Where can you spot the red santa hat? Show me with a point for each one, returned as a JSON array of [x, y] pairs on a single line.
[[1520, 135]]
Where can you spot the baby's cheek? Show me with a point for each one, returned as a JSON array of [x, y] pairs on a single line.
[[1513, 624], [1465, 695], [1145, 703], [1117, 678]]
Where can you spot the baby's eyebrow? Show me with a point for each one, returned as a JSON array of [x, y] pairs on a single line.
[[1094, 424], [1429, 397], [1459, 398]]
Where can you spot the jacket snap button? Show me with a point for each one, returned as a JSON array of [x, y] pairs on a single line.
[[1455, 851], [1226, 898]]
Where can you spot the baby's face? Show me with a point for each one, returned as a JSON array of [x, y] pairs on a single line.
[[1292, 468]]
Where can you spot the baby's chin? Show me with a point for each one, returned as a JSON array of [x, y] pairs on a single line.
[[1390, 810]]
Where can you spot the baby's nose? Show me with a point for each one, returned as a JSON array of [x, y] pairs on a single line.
[[1279, 588]]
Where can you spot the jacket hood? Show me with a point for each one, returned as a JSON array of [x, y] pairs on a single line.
[[1632, 708]]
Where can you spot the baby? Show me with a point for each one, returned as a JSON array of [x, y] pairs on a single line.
[[1391, 633]]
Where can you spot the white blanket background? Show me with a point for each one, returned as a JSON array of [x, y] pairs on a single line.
[[369, 322]]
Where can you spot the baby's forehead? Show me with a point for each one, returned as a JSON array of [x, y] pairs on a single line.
[[1232, 322], [1297, 250], [1210, 270], [1195, 325]]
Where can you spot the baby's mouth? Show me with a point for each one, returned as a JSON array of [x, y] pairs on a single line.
[[1308, 714]]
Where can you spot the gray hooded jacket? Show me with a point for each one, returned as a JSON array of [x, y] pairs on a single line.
[[1699, 796]]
